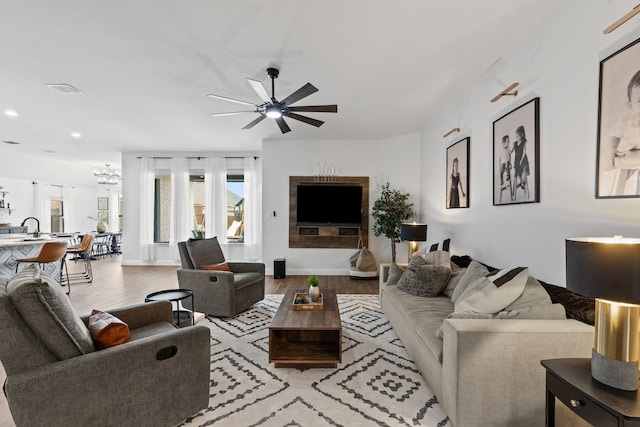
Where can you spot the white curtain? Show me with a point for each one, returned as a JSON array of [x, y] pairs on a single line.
[[42, 206], [69, 205], [215, 181], [252, 208], [147, 175], [182, 211]]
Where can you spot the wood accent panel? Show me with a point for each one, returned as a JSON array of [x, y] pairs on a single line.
[[343, 237]]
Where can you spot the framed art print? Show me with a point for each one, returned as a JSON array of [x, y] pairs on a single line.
[[103, 203], [458, 174], [516, 159], [618, 164]]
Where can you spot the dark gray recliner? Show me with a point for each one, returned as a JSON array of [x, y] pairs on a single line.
[[218, 293], [56, 376]]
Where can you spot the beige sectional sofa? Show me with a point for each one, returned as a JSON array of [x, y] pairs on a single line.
[[484, 372]]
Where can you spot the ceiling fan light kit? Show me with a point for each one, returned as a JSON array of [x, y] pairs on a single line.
[[277, 110]]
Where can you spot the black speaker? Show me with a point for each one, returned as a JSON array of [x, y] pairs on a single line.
[[279, 268]]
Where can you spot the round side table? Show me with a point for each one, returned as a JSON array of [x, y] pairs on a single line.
[[175, 295]]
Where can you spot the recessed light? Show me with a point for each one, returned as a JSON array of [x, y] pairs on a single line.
[[11, 142], [11, 113], [76, 134]]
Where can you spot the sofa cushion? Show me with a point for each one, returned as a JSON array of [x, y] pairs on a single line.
[[493, 293], [422, 279], [435, 257], [44, 306], [205, 251], [242, 280]]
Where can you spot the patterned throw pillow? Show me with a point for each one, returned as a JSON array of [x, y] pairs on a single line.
[[422, 279], [493, 293]]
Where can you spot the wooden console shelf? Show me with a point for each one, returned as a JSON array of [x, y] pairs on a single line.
[[327, 236]]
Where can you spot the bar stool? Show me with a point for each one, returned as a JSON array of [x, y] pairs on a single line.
[[49, 253], [82, 250]]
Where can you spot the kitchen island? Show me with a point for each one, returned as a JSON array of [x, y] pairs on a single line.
[[22, 245]]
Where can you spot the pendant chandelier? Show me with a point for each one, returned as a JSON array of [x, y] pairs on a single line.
[[107, 176]]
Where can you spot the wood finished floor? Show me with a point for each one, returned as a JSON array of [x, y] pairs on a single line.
[[116, 286]]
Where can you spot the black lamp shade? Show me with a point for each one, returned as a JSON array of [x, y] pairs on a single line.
[[606, 268], [410, 232]]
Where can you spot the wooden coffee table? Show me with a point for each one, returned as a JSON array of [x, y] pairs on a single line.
[[308, 339]]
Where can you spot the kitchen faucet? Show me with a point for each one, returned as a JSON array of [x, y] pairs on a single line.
[[36, 232]]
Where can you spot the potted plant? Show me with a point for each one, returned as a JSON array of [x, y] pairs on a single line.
[[102, 221], [389, 212], [314, 292]]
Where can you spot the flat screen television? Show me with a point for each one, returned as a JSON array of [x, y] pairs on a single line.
[[327, 204]]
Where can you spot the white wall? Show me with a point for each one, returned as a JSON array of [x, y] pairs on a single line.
[[560, 64], [395, 160]]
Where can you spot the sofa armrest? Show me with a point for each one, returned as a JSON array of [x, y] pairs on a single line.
[[384, 274], [491, 372], [138, 315], [211, 289], [246, 267], [119, 384]]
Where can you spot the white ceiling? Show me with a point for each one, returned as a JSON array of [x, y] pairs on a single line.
[[145, 67]]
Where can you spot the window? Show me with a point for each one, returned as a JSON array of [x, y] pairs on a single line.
[[235, 207], [196, 195], [162, 207], [57, 215]]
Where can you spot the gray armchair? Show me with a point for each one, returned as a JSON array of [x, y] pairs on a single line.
[[56, 377], [218, 293]]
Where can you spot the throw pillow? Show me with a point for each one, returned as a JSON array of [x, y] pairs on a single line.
[[395, 273], [107, 330], [456, 276], [223, 266], [533, 295], [44, 306], [205, 251], [422, 279], [436, 258], [472, 274], [494, 292]]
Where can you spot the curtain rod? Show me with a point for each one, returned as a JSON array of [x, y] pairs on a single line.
[[202, 157]]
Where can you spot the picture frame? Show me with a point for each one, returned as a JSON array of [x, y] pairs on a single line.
[[516, 155], [618, 147], [103, 203], [457, 190]]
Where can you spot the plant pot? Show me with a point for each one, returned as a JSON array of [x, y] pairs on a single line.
[[101, 227], [314, 293]]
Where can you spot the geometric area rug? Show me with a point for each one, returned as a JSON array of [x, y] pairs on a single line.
[[375, 385]]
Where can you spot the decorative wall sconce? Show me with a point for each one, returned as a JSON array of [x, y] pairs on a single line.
[[622, 20], [452, 131], [508, 91]]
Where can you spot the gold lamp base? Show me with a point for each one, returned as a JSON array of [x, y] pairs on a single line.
[[615, 352]]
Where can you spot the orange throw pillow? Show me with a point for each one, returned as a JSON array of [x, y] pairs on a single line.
[[223, 266], [107, 330]]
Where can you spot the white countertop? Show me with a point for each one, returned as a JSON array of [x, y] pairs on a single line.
[[20, 239]]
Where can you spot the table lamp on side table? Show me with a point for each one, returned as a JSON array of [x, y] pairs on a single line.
[[608, 269], [413, 233]]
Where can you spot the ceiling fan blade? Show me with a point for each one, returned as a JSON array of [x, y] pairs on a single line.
[[237, 101], [307, 120], [260, 90], [284, 128], [303, 92], [316, 108], [255, 122], [231, 113]]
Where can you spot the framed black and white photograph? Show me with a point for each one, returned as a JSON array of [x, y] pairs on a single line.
[[618, 164], [458, 174], [103, 203], [516, 159]]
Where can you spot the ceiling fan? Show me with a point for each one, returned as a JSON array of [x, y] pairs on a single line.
[[275, 109]]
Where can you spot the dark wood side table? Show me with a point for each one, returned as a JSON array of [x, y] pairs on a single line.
[[570, 381]]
